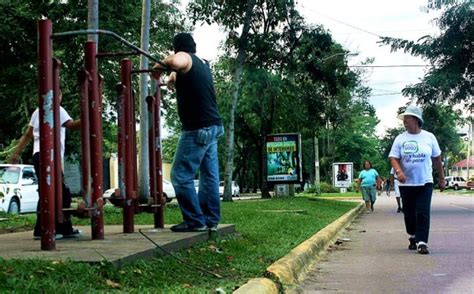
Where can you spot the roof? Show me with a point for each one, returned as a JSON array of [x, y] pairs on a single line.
[[463, 163]]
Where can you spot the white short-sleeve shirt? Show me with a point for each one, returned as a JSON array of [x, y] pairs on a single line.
[[415, 152], [34, 123]]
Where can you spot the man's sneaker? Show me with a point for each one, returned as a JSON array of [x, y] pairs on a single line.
[[56, 237], [75, 233], [412, 245], [184, 227], [212, 228], [423, 248]]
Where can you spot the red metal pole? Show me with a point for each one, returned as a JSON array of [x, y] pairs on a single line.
[[159, 216], [120, 88], [95, 116], [133, 147], [57, 142], [84, 81], [151, 151], [129, 205], [45, 93]]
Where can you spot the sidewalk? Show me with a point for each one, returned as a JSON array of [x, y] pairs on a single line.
[[117, 247], [375, 259]]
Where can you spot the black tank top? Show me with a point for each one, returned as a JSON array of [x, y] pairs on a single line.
[[197, 106]]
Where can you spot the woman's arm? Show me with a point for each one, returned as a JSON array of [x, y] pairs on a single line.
[[439, 167], [395, 162]]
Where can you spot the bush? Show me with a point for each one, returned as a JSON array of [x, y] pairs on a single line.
[[324, 187], [328, 188]]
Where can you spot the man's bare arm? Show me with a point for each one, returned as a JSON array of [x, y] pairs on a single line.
[[24, 140]]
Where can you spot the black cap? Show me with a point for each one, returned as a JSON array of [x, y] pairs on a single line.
[[184, 42]]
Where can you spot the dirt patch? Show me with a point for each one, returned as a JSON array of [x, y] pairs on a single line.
[[15, 230]]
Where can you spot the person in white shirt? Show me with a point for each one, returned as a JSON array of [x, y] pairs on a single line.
[[412, 155], [64, 229], [394, 183]]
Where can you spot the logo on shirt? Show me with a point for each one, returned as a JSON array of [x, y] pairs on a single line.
[[410, 147]]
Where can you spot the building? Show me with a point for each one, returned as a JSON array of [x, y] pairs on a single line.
[[463, 168]]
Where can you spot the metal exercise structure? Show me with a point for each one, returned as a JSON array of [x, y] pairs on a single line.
[[50, 176]]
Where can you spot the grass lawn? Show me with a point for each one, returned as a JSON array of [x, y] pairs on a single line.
[[266, 231]]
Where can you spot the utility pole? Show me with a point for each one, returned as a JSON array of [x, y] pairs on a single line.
[[469, 138], [317, 180], [144, 170]]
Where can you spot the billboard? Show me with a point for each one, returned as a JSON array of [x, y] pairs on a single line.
[[342, 173], [283, 153]]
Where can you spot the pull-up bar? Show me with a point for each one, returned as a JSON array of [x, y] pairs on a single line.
[[112, 34]]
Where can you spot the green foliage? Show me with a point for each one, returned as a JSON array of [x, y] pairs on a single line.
[[328, 188], [450, 78], [18, 93]]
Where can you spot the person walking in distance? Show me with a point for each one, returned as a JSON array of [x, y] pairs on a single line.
[[65, 228], [412, 155], [395, 184], [387, 186], [369, 180], [197, 146]]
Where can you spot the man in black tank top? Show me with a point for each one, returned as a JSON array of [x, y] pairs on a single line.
[[197, 146]]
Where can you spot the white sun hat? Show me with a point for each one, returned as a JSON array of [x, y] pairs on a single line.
[[412, 110]]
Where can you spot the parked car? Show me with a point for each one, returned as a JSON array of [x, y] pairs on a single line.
[[168, 192], [235, 189], [455, 183], [470, 185], [18, 188]]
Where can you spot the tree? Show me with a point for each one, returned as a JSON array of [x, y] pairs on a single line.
[[18, 93], [203, 10], [451, 76], [143, 172]]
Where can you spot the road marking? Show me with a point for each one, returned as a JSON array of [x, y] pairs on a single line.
[[461, 207]]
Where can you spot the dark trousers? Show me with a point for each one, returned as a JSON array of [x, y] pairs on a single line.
[[61, 228], [416, 201]]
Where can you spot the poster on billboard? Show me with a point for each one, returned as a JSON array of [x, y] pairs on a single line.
[[283, 158], [342, 173]]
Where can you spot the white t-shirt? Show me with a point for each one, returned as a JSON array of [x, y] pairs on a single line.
[[34, 123], [396, 183], [415, 152]]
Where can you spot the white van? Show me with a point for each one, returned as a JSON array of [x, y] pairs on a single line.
[[455, 183]]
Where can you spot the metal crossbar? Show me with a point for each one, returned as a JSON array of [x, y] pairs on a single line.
[[112, 34]]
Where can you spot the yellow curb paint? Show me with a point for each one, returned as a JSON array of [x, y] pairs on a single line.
[[258, 285], [290, 268]]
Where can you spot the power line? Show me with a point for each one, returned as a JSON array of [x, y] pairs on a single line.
[[394, 65], [394, 82], [344, 23], [388, 94]]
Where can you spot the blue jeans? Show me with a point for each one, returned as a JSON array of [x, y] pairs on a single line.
[[197, 149], [416, 202]]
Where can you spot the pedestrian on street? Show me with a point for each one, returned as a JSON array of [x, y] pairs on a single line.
[[64, 229], [197, 146], [369, 180], [412, 155], [387, 186], [395, 183]]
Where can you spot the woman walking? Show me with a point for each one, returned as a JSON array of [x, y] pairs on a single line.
[[369, 179], [412, 155]]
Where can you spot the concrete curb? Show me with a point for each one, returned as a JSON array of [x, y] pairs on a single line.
[[287, 271], [258, 285]]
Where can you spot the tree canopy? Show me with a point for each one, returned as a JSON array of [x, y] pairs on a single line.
[[450, 78]]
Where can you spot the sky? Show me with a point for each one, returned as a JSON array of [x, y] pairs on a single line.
[[356, 25]]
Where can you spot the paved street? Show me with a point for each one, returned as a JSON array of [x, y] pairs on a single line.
[[376, 258]]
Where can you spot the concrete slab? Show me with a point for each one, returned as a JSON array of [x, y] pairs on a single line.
[[117, 247]]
